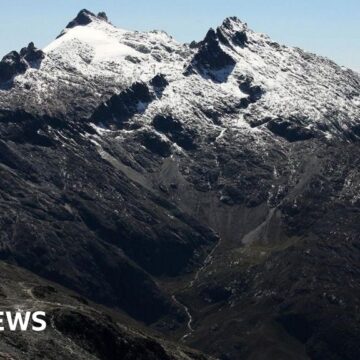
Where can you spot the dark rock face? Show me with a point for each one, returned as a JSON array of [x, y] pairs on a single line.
[[31, 54], [159, 83], [11, 65], [83, 18], [211, 57], [290, 130], [14, 63], [116, 112], [237, 37], [255, 92], [174, 130], [194, 44], [240, 39], [102, 15], [154, 143]]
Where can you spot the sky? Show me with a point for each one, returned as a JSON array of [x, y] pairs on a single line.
[[326, 27]]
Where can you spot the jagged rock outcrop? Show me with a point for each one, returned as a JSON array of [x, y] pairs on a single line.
[[31, 54], [210, 58], [119, 109], [11, 65], [16, 63], [85, 17]]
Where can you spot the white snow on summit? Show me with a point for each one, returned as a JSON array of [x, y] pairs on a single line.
[[89, 63], [105, 46]]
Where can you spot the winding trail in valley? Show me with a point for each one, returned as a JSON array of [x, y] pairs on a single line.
[[207, 262], [190, 318]]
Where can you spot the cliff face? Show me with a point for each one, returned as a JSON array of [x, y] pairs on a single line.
[[209, 191]]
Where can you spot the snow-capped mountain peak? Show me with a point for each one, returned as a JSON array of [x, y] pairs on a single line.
[[240, 77], [99, 40]]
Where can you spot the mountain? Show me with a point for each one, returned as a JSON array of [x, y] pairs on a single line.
[[209, 191]]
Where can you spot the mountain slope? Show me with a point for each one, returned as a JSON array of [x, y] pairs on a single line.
[[76, 328], [209, 190]]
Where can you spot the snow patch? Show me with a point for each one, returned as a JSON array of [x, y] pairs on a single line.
[[105, 47]]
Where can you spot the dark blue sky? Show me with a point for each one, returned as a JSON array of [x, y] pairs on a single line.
[[327, 27]]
